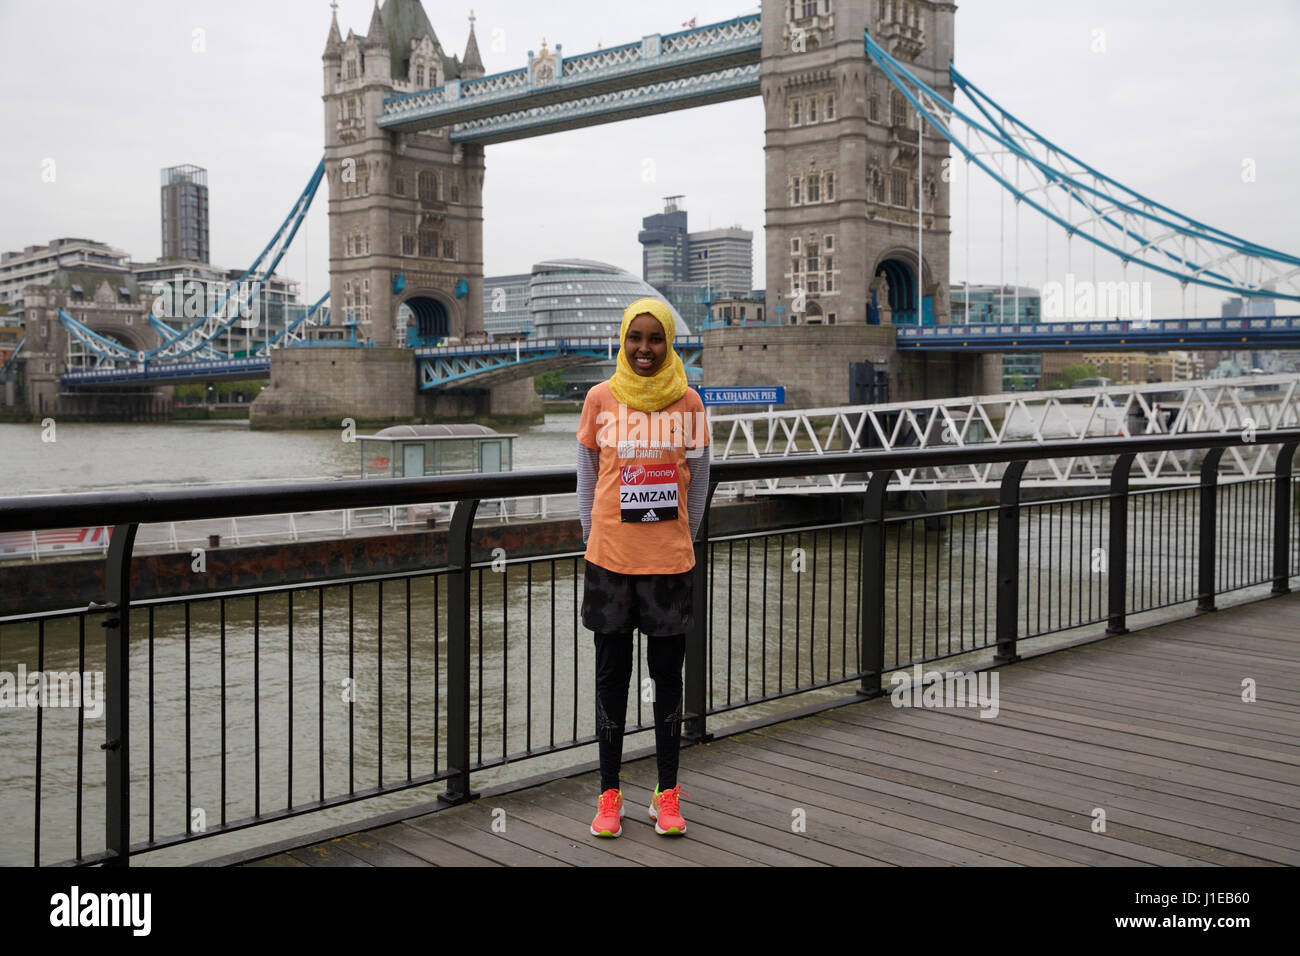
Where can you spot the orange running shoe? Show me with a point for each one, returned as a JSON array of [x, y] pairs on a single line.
[[666, 808], [609, 813]]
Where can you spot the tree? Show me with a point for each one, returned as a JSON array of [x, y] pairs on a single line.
[[548, 383], [1072, 373]]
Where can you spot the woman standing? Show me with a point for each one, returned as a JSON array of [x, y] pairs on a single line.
[[643, 477]]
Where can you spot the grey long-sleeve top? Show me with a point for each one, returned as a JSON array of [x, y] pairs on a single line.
[[589, 465]]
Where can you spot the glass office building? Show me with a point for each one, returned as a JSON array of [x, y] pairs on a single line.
[[1003, 305], [574, 298]]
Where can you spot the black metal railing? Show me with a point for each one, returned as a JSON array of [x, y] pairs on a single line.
[[233, 709]]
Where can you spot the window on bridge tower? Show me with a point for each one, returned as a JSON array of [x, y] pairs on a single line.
[[399, 184], [812, 109], [897, 109], [428, 243], [795, 191], [874, 112], [794, 112], [814, 188], [829, 190], [830, 106], [419, 76], [408, 245], [900, 195], [449, 249], [428, 185]]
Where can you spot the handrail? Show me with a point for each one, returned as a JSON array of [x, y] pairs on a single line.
[[38, 512]]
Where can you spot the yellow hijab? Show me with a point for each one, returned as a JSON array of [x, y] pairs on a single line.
[[649, 393]]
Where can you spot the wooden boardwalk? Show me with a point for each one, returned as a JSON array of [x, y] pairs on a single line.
[[1150, 728]]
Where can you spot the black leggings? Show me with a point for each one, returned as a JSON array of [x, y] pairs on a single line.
[[613, 674]]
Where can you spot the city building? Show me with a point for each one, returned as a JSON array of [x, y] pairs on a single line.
[[571, 298], [1003, 304], [1241, 307], [506, 311], [723, 259], [1137, 368], [179, 293], [663, 239], [738, 310], [185, 213], [689, 299], [38, 265], [691, 269]]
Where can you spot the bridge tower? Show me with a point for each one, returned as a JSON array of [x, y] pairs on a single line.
[[842, 162], [842, 173], [406, 237], [405, 208]]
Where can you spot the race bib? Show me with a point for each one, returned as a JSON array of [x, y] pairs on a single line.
[[648, 492]]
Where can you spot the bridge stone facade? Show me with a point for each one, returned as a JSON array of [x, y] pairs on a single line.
[[406, 229], [112, 305], [842, 190]]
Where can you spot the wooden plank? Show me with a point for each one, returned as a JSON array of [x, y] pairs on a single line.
[[427, 847], [1256, 845], [1049, 762], [1162, 674], [1075, 827], [1246, 754], [841, 822], [696, 845], [766, 845], [377, 852], [1247, 762], [1085, 753], [329, 853], [1007, 843], [1005, 776], [279, 859], [479, 841], [1087, 692]]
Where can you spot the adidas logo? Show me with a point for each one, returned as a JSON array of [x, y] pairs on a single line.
[[650, 516]]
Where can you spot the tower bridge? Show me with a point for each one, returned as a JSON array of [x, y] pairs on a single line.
[[860, 111]]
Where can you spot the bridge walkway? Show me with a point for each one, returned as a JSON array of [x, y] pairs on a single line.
[[1149, 728]]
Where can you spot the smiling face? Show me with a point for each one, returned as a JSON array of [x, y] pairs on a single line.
[[645, 344]]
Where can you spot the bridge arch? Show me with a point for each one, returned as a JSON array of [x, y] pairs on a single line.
[[432, 317], [130, 336], [893, 286]]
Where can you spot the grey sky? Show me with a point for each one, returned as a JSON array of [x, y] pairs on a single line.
[[112, 92]]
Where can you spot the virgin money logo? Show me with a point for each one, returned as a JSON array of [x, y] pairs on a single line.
[[633, 475]]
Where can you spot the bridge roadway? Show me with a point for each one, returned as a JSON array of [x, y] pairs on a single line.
[[1133, 335], [1148, 727]]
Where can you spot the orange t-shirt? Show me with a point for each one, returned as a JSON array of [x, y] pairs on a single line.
[[639, 522]]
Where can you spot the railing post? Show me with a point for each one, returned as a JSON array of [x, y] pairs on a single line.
[[695, 703], [458, 663], [1282, 519], [1206, 553], [871, 601], [1008, 598], [117, 681], [1117, 553]]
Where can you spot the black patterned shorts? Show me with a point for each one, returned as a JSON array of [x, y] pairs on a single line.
[[655, 604]]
